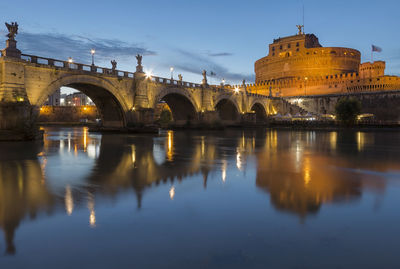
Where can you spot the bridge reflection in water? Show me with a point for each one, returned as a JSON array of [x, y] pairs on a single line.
[[299, 171]]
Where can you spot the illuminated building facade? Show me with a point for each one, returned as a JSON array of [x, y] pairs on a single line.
[[298, 65]]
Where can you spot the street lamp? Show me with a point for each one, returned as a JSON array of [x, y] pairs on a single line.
[[223, 82], [172, 72], [92, 51]]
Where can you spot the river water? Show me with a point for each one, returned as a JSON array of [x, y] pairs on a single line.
[[229, 199]]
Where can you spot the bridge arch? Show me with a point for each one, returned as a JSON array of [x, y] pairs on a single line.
[[259, 109], [109, 102], [228, 109], [183, 105]]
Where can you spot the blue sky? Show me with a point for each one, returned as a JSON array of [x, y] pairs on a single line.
[[221, 36]]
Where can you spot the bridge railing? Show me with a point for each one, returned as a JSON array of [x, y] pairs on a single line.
[[168, 81], [75, 66]]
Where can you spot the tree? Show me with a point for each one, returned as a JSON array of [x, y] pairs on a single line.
[[347, 109], [165, 117]]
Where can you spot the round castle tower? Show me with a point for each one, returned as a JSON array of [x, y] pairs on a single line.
[[301, 56]]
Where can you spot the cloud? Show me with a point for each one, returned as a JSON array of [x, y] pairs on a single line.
[[196, 62], [61, 47], [219, 54]]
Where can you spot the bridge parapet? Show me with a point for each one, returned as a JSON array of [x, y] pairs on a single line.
[[75, 66]]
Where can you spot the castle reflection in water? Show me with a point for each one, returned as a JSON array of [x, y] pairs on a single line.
[[300, 171]]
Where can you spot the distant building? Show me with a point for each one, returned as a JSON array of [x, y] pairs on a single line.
[[77, 99], [54, 99]]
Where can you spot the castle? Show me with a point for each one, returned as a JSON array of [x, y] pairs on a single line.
[[298, 66]]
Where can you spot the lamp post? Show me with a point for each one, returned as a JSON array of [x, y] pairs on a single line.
[[172, 72], [92, 51]]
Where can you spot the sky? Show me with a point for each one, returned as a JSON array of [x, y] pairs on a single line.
[[222, 36]]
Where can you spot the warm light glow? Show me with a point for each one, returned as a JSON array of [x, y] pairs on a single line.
[[92, 51], [133, 154], [202, 146], [20, 99], [172, 193], [236, 90], [307, 169], [148, 74], [70, 60], [333, 140], [133, 108], [171, 69], [170, 148], [85, 135], [69, 202], [85, 108], [360, 141]]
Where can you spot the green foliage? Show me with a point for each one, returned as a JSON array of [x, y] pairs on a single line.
[[165, 117], [347, 109]]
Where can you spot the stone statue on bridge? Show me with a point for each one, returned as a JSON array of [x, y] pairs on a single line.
[[139, 67], [204, 77], [180, 77], [139, 59], [114, 65], [11, 44], [12, 30]]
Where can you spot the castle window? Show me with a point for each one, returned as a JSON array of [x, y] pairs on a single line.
[[288, 46], [273, 54], [280, 47], [273, 48], [333, 52], [297, 44], [297, 49]]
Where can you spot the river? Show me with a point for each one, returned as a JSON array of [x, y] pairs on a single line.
[[261, 198]]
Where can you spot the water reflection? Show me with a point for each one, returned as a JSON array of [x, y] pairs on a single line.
[[299, 171]]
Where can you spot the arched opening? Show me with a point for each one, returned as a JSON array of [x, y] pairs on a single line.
[[259, 110], [84, 103], [227, 111], [182, 109]]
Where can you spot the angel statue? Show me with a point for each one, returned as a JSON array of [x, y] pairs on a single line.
[[12, 30], [114, 64], [139, 59]]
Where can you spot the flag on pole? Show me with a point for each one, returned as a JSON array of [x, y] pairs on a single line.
[[376, 48]]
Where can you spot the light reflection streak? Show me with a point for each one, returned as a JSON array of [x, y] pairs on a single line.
[[172, 193], [170, 148], [224, 166], [92, 216], [133, 154], [69, 202], [360, 141]]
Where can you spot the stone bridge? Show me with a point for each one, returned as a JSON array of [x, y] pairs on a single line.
[[122, 98]]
